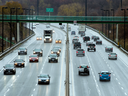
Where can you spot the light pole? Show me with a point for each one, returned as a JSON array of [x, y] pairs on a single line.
[[105, 24], [11, 26], [108, 24], [102, 17], [3, 28], [16, 23], [124, 26], [113, 24]]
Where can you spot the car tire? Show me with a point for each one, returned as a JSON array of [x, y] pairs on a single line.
[[18, 53], [23, 66], [14, 73], [88, 49], [56, 61], [83, 54], [88, 73], [79, 72], [4, 73], [25, 53], [74, 47], [48, 82], [76, 54], [48, 61], [116, 58], [109, 80]]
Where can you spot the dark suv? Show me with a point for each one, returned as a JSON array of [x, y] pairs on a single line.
[[86, 38], [77, 45], [9, 68], [91, 47]]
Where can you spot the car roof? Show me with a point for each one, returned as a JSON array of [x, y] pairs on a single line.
[[83, 64], [34, 55], [109, 46], [105, 71]]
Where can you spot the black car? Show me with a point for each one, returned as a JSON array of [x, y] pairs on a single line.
[[19, 63], [96, 38], [86, 38], [75, 40], [52, 58], [83, 68], [108, 49], [9, 68], [55, 51], [91, 47], [73, 33], [22, 50], [77, 45], [39, 52], [99, 42]]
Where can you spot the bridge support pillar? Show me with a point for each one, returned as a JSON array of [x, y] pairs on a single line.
[[18, 32], [117, 33]]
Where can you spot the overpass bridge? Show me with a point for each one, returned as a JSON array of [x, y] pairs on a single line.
[[65, 19]]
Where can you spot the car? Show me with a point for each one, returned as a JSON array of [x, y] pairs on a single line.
[[58, 41], [93, 36], [76, 37], [99, 42], [80, 52], [89, 42], [86, 38], [104, 75], [39, 52], [22, 50], [82, 34], [53, 58], [53, 30], [96, 38], [83, 68], [73, 33], [91, 47], [33, 58], [75, 40], [55, 51], [61, 27], [44, 79], [77, 45], [19, 63], [108, 49], [9, 68], [57, 47], [38, 38], [34, 27], [47, 26], [112, 56]]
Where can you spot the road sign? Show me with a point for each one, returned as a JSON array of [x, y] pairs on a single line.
[[49, 9]]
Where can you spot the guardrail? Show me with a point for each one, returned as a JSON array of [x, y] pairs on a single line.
[[9, 49], [108, 39]]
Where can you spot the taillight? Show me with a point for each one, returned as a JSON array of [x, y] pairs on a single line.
[[109, 75], [109, 55], [112, 48], [100, 75], [87, 67], [116, 55], [88, 46], [74, 44], [106, 48], [30, 58], [83, 51], [80, 44], [76, 51], [94, 46]]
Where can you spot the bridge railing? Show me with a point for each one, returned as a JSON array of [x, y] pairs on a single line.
[[64, 18]]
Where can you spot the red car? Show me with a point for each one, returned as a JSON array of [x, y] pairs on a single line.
[[33, 58]]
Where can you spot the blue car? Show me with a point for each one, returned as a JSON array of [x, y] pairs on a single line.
[[104, 75], [73, 33]]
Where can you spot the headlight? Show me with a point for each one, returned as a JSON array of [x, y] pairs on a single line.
[[40, 38], [4, 69], [50, 39], [52, 52], [47, 80], [44, 39], [49, 57], [18, 50], [40, 51], [33, 52], [58, 52], [13, 69], [25, 50], [22, 63], [39, 79], [56, 58], [36, 38], [15, 63]]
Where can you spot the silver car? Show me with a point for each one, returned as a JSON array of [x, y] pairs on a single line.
[[83, 68], [44, 78], [112, 56], [57, 47], [89, 42], [80, 52]]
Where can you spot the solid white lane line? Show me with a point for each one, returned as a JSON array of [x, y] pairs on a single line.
[[125, 93], [33, 89]]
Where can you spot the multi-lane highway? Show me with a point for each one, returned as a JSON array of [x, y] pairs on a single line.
[[25, 82]]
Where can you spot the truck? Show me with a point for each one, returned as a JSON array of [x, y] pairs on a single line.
[[81, 30], [48, 35]]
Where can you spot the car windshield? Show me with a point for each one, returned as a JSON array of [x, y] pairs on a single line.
[[43, 76], [33, 56], [80, 50], [9, 65], [22, 49], [18, 60], [53, 55], [38, 36], [75, 39], [73, 31], [55, 49], [91, 44], [83, 66], [109, 47], [37, 50], [113, 53], [105, 73]]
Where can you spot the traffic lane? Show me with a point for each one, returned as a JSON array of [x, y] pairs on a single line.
[[98, 64], [11, 79], [84, 84], [57, 73], [120, 69]]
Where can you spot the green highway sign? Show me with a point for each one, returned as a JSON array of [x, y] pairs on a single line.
[[49, 9]]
